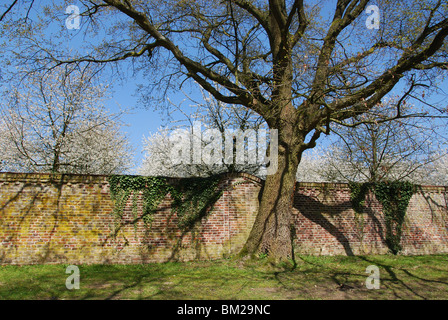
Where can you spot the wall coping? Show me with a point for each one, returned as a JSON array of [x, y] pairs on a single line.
[[51, 177], [93, 178], [61, 178]]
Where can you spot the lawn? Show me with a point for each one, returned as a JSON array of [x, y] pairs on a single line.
[[338, 277]]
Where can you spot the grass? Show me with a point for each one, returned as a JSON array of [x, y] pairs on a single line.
[[338, 277]]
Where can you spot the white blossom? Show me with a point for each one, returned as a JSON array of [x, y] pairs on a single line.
[[57, 122]]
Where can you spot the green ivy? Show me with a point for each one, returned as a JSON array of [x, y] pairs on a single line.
[[153, 190], [358, 192], [192, 197], [394, 196]]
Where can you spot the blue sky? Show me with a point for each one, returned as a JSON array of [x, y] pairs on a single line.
[[140, 121]]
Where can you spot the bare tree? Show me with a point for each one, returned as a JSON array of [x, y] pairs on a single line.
[[301, 65]]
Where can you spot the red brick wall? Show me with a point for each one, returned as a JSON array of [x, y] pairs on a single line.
[[326, 223], [68, 219]]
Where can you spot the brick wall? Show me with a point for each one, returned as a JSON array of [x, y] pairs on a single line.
[[326, 223], [68, 219]]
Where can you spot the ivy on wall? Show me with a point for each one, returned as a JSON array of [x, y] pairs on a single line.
[[152, 189], [358, 192], [394, 197], [192, 197]]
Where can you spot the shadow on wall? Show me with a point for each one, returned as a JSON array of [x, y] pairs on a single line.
[[70, 219], [427, 228], [434, 206], [26, 203], [320, 213], [202, 234]]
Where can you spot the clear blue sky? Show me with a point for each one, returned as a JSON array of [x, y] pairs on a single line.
[[140, 121]]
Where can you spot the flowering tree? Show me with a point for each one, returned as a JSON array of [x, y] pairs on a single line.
[[55, 122], [213, 114], [436, 173], [313, 166], [371, 150]]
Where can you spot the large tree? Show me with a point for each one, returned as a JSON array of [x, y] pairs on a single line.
[[301, 65]]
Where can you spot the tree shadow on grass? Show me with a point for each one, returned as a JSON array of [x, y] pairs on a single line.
[[396, 281], [394, 278]]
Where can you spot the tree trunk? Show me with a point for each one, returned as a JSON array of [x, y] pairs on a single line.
[[272, 229], [271, 232]]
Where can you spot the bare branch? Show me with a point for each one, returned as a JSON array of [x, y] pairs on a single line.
[[8, 9]]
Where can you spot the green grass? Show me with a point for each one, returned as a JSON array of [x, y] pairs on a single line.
[[339, 277]]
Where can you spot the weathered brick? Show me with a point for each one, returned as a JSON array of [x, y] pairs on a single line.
[[41, 223]]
